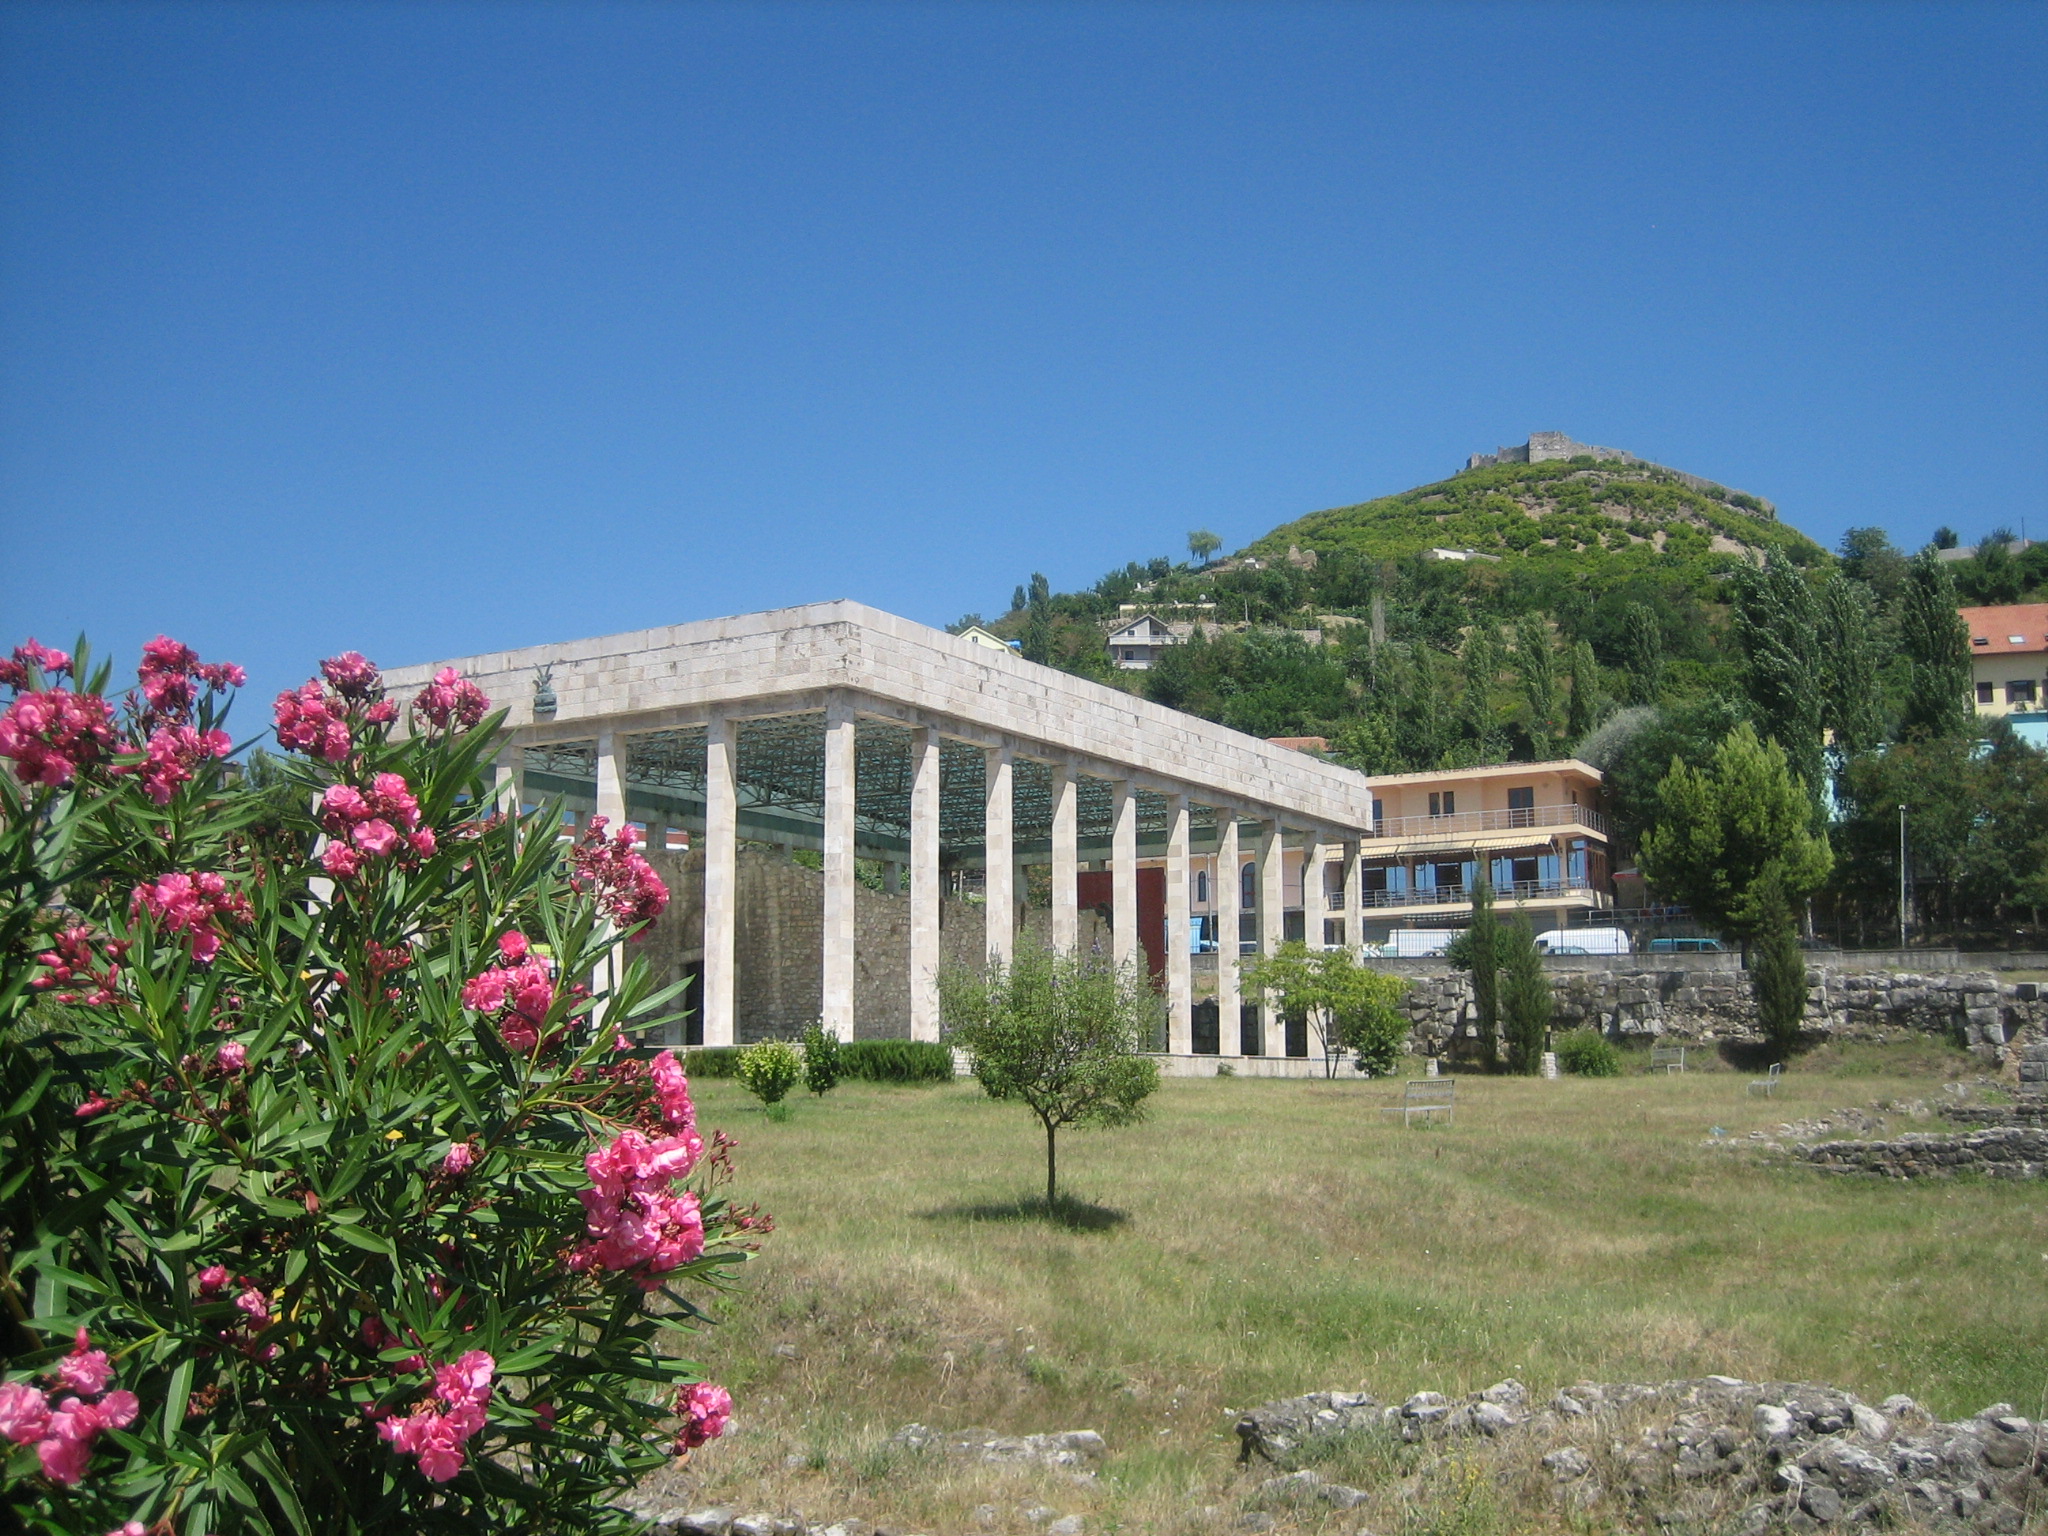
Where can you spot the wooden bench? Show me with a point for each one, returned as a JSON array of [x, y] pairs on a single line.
[[1667, 1058], [1769, 1082], [1425, 1097]]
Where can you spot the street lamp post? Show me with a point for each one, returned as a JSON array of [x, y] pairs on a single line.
[[1902, 877]]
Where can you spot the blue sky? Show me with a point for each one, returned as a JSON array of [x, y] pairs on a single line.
[[429, 329]]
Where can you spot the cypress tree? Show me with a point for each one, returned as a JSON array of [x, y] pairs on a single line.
[[1524, 996], [1584, 717], [1937, 647], [1778, 974], [1481, 953], [1643, 638]]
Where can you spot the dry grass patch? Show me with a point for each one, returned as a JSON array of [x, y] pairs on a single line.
[[1258, 1239]]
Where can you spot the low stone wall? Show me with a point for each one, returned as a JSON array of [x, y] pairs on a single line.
[[1635, 999], [1999, 1152]]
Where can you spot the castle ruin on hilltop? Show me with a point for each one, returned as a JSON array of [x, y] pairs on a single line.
[[1547, 447]]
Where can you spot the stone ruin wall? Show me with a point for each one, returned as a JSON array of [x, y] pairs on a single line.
[[1552, 447], [1704, 1005]]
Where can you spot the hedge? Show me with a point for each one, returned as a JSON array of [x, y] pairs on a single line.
[[867, 1061]]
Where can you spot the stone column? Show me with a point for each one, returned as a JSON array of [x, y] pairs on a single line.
[[511, 780], [1180, 1023], [1229, 1023], [611, 781], [924, 885], [999, 874], [721, 880], [1272, 927], [837, 993], [1123, 864], [1315, 902], [1354, 901], [1066, 864]]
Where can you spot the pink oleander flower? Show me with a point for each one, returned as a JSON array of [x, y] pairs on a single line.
[[255, 1305], [520, 995], [85, 1369], [170, 674], [171, 754], [232, 1057], [460, 1159], [622, 882], [438, 1429], [423, 842], [73, 962], [130, 1528], [634, 1221], [340, 860], [191, 904], [66, 1445], [24, 1412], [512, 947], [52, 735], [451, 699], [704, 1409], [673, 1090], [213, 1280], [376, 837], [97, 1104], [308, 722], [352, 674], [14, 673]]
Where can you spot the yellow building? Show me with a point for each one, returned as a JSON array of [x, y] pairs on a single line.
[[2008, 657], [1537, 829]]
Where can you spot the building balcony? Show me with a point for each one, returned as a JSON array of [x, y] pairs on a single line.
[[1521, 893], [1409, 829]]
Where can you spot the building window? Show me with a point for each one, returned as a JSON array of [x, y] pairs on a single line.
[[1986, 693], [1248, 887], [1202, 887], [1379, 811], [1444, 803], [1522, 806], [2020, 691]]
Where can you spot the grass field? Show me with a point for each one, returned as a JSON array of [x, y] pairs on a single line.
[[1258, 1238]]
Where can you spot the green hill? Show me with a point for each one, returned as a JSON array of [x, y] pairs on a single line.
[[1601, 521]]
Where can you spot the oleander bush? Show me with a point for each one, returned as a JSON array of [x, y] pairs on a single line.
[[330, 1201]]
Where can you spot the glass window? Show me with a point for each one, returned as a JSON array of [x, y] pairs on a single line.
[[1248, 887], [2021, 692], [1202, 886], [1985, 693]]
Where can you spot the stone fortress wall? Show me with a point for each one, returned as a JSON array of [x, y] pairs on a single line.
[[1549, 447]]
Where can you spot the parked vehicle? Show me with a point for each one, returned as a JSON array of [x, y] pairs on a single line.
[[1420, 943], [1694, 946], [1585, 941]]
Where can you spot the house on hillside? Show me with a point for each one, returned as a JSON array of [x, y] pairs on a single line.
[[1537, 830], [974, 634], [2008, 657], [1135, 644]]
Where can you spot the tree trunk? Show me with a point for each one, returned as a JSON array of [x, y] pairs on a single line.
[[1050, 1169]]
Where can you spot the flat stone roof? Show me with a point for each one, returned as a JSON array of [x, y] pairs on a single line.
[[787, 660]]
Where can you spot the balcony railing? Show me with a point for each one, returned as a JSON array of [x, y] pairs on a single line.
[[1467, 823], [1521, 890]]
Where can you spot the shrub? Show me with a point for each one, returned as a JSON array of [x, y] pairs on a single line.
[[317, 1143], [896, 1061], [821, 1059], [1588, 1053], [720, 1061], [770, 1069]]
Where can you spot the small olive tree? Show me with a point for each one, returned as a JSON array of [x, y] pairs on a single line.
[[1061, 1033]]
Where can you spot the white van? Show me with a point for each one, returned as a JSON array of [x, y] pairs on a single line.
[[1585, 941], [1419, 943]]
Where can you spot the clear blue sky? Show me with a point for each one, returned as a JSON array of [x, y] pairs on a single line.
[[428, 329]]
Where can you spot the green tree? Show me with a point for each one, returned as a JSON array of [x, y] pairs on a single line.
[[1536, 669], [1524, 996], [1777, 625], [1732, 831], [1851, 664], [1482, 658], [822, 1069], [1643, 653], [1349, 1006], [1869, 557], [1062, 1034], [768, 1069], [1936, 643], [1202, 544], [1478, 950], [1586, 701], [1778, 970]]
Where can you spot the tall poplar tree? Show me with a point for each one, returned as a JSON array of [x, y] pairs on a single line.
[[1937, 647], [1643, 640], [1777, 622], [1536, 667], [1482, 658]]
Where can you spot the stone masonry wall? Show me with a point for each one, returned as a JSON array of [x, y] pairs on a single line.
[[1707, 1004], [2001, 1152]]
